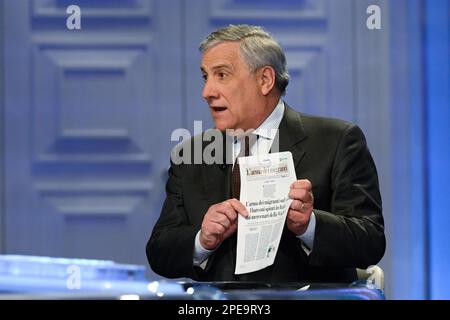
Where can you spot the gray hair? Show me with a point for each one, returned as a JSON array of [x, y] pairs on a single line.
[[258, 49]]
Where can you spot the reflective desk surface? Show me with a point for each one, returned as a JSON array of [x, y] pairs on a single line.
[[30, 277]]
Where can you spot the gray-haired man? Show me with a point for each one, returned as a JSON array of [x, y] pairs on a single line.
[[332, 227]]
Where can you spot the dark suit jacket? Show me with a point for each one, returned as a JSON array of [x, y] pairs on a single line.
[[349, 232]]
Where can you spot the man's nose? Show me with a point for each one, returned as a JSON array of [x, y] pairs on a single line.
[[209, 91]]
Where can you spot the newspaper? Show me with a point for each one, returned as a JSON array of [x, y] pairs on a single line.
[[265, 183]]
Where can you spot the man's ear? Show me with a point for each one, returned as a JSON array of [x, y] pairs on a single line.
[[266, 79]]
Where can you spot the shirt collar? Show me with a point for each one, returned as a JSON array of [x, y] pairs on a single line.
[[268, 129]]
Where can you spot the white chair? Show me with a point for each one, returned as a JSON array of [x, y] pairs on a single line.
[[374, 276]]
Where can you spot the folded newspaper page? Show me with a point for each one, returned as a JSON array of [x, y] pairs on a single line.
[[265, 183]]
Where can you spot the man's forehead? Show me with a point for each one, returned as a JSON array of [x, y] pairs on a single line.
[[226, 53]]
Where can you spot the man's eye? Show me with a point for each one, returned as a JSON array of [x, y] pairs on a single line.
[[204, 77], [222, 75]]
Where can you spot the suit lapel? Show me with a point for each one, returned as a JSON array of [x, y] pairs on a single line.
[[216, 176], [217, 188], [291, 133]]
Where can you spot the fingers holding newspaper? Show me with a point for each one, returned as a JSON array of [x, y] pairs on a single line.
[[297, 219], [220, 222]]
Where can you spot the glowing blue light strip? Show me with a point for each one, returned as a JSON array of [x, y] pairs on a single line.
[[48, 267]]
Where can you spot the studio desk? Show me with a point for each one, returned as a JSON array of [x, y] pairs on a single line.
[[32, 277]]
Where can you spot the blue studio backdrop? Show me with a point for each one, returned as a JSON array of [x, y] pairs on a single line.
[[86, 116]]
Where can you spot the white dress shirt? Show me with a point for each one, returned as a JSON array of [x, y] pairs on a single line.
[[266, 133]]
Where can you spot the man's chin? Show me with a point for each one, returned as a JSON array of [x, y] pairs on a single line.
[[223, 126]]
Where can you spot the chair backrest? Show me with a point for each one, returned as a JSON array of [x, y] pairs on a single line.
[[374, 275]]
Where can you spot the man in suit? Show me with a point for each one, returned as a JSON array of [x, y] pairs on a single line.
[[334, 223]]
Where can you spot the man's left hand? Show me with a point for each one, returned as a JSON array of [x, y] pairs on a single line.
[[301, 207]]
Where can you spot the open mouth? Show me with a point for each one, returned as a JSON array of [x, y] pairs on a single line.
[[219, 109]]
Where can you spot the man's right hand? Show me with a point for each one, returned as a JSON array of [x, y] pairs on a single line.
[[220, 222]]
